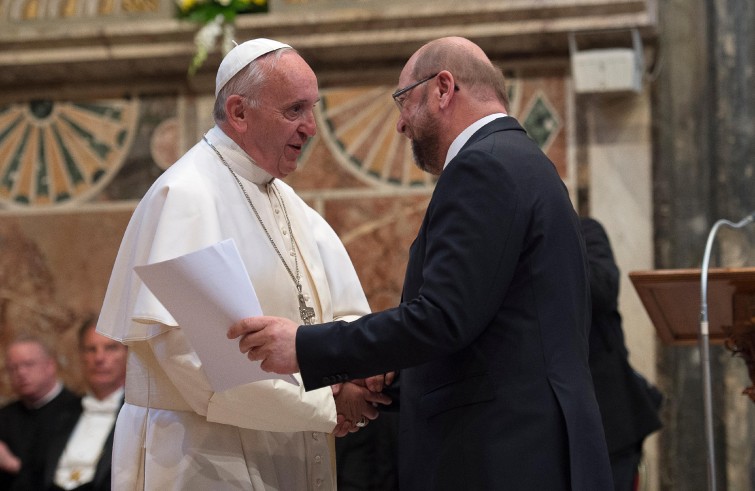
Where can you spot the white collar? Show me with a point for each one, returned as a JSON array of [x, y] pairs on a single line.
[[47, 397], [240, 161], [465, 135]]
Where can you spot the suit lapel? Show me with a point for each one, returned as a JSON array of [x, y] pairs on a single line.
[[58, 439]]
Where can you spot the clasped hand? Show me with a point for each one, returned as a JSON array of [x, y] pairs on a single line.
[[272, 341], [8, 461], [355, 403]]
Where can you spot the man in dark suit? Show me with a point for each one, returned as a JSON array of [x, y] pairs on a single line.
[[491, 335], [76, 455], [33, 374], [628, 404]]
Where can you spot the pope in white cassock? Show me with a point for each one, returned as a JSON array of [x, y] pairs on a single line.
[[174, 432]]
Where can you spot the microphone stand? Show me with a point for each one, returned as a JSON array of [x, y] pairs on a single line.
[[705, 346]]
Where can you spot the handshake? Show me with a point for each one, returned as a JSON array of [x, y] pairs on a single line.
[[272, 341], [357, 401]]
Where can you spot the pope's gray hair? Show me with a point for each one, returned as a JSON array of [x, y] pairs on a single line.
[[247, 83]]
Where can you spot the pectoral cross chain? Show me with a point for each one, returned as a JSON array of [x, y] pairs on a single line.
[[306, 312]]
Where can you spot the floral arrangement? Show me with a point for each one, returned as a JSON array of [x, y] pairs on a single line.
[[216, 17]]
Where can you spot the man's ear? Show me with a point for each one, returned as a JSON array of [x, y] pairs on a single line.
[[235, 112], [446, 87]]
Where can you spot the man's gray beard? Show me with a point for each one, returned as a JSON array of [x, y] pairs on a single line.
[[420, 156], [425, 150], [425, 146]]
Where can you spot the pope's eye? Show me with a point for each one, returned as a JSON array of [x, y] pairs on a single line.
[[294, 112]]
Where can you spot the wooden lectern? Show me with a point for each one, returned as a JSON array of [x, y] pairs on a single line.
[[672, 300]]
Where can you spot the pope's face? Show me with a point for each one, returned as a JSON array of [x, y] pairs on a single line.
[[284, 119], [103, 363], [32, 371]]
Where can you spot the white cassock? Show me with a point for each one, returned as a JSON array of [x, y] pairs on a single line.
[[174, 432]]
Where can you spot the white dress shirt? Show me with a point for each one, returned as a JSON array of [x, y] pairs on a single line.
[[79, 460], [465, 135]]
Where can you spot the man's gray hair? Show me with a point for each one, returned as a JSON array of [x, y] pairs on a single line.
[[481, 77]]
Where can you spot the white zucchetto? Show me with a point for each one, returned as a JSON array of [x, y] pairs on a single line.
[[240, 56]]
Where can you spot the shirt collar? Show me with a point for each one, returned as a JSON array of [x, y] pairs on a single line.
[[465, 135], [47, 397], [109, 404], [240, 161]]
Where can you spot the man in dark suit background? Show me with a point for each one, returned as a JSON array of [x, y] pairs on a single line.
[[491, 336], [628, 404], [76, 453], [33, 374]]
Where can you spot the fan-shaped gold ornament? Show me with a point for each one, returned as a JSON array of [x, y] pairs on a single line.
[[54, 153]]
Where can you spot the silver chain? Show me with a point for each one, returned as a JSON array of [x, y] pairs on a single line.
[[297, 277]]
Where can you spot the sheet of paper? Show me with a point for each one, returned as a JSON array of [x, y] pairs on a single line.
[[206, 292]]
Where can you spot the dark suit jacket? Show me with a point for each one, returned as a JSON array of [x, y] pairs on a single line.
[[49, 451], [491, 334], [21, 428], [629, 406]]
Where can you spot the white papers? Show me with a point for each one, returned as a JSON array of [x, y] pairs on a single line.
[[206, 292]]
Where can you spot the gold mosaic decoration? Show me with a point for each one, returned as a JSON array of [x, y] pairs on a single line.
[[54, 153], [140, 5], [359, 127]]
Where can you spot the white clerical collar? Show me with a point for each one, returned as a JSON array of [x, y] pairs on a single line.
[[47, 397], [240, 161], [465, 135]]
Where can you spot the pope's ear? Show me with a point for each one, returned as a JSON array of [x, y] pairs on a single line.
[[235, 107]]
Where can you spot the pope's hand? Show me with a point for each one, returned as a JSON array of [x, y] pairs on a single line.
[[355, 403], [271, 340]]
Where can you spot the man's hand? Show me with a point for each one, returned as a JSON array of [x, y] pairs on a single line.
[[355, 403], [269, 339], [377, 383], [8, 461]]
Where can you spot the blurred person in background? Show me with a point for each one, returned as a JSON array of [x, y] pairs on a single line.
[[76, 454], [628, 403], [42, 398]]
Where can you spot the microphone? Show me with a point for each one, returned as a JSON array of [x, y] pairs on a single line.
[[706, 259], [705, 344]]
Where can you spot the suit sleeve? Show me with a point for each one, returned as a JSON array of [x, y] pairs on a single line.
[[469, 258]]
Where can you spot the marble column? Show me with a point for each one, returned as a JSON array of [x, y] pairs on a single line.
[[703, 171]]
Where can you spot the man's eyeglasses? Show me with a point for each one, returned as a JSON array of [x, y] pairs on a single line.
[[397, 96]]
